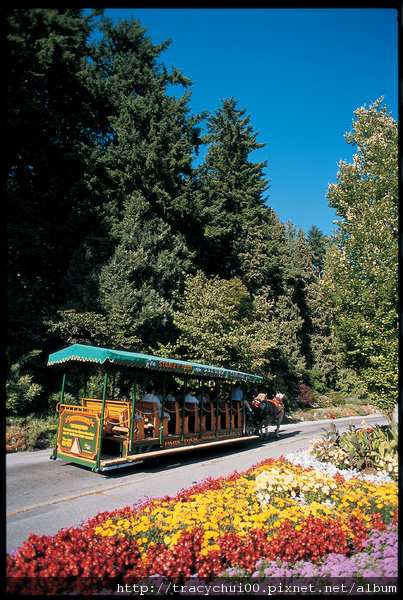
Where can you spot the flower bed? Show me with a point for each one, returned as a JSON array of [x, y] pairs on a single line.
[[365, 448], [33, 432], [276, 519]]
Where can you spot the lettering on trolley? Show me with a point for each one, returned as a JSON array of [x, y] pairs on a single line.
[[81, 419], [154, 413], [178, 367]]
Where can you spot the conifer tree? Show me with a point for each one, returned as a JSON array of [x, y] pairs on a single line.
[[145, 178], [154, 138], [115, 239], [138, 282], [54, 119], [232, 186], [318, 243]]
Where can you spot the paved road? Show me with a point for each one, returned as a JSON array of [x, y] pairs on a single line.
[[44, 496]]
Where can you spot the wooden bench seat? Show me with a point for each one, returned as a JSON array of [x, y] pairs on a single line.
[[117, 419], [224, 414], [192, 409], [212, 422], [237, 412], [174, 409], [117, 412], [150, 411]]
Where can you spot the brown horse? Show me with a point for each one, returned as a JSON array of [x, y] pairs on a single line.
[[267, 412]]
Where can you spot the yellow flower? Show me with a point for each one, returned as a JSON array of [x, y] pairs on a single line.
[[264, 499]]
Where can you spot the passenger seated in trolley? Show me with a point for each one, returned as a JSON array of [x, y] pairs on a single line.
[[213, 394], [190, 397], [151, 396], [237, 396], [171, 395], [206, 397]]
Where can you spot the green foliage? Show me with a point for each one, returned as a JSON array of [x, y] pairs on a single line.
[[75, 327], [48, 205], [231, 186], [136, 285], [337, 398], [316, 380], [154, 139], [21, 388], [317, 245], [32, 432], [364, 448], [116, 239], [208, 314], [55, 398], [216, 322], [360, 283]]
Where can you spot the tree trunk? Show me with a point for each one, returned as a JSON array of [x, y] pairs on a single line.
[[395, 419]]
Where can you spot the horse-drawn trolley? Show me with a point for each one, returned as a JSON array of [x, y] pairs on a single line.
[[119, 425]]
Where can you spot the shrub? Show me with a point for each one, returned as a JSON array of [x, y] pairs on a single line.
[[358, 410], [366, 448], [356, 401], [68, 398], [337, 398], [30, 432], [21, 389], [316, 380], [322, 401], [16, 441], [303, 395]]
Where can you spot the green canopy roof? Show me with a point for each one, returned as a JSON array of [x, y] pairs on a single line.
[[93, 354]]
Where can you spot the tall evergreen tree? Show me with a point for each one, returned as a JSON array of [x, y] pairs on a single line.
[[154, 138], [54, 118], [108, 222], [145, 177], [323, 367], [138, 282], [232, 186], [318, 243], [259, 251]]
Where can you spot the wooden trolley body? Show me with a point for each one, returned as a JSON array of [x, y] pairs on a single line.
[[107, 433]]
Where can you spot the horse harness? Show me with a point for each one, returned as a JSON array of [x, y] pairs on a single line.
[[256, 402]]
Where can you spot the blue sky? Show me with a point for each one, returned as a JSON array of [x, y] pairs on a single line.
[[299, 73]]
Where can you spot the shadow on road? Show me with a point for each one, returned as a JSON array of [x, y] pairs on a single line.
[[193, 456]]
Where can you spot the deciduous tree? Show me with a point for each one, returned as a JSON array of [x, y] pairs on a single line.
[[361, 278]]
